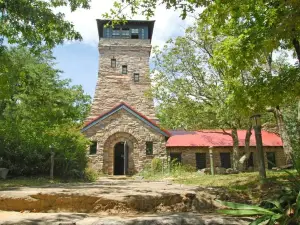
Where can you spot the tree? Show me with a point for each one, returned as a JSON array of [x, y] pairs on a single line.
[[37, 109], [255, 24], [250, 35], [34, 23], [188, 87]]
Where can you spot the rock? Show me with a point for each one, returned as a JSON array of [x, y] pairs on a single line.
[[204, 171], [231, 171], [72, 223], [288, 166], [139, 177], [220, 170], [3, 173]]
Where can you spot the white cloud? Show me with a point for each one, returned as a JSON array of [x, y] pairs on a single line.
[[168, 23]]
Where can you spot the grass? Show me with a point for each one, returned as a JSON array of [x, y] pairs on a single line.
[[34, 182], [242, 184], [239, 181]]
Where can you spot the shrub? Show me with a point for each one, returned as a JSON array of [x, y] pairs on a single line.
[[156, 165], [90, 174]]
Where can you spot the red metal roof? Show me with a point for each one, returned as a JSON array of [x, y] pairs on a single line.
[[216, 138]]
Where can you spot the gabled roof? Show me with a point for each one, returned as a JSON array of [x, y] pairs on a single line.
[[216, 138], [130, 110]]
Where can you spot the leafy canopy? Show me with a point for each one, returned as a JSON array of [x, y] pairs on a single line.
[[38, 109], [35, 23]]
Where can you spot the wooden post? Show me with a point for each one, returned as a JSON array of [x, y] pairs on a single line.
[[261, 154], [52, 164], [211, 159], [163, 165]]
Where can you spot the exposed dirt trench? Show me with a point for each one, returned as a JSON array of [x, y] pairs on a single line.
[[110, 196], [41, 202]]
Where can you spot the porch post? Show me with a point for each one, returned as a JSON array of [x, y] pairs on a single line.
[[211, 159]]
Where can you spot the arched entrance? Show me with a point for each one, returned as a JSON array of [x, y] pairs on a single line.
[[121, 158]]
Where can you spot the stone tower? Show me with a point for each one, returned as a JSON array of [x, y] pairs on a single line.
[[123, 74]]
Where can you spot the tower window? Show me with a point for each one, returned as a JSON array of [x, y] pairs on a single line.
[[93, 148], [136, 77], [125, 32], [143, 34], [149, 148], [113, 63], [134, 33], [124, 69], [116, 32]]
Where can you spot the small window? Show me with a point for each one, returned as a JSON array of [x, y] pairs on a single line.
[[116, 32], [124, 69], [136, 77], [175, 157], [93, 148], [225, 160], [143, 34], [113, 63], [149, 148], [125, 32], [200, 161], [134, 33], [271, 160]]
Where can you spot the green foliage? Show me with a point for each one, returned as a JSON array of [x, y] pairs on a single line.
[[159, 168], [35, 23], [249, 29], [37, 109], [90, 174], [283, 208], [156, 165]]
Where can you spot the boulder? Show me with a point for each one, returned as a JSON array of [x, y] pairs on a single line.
[[3, 172], [220, 170], [204, 171], [231, 171], [288, 166]]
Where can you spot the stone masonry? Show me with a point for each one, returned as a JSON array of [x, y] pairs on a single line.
[[114, 87], [189, 155], [120, 127]]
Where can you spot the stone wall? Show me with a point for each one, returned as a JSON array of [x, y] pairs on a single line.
[[188, 155], [120, 127], [113, 86]]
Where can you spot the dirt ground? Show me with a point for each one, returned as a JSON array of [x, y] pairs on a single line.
[[110, 201]]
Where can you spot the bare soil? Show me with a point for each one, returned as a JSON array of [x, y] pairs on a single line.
[[120, 199]]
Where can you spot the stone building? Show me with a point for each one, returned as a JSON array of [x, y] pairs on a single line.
[[122, 124]]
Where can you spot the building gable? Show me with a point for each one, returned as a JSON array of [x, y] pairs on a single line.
[[131, 111]]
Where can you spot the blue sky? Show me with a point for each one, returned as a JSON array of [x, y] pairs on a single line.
[[79, 60]]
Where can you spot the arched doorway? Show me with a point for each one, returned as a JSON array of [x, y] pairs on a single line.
[[121, 158]]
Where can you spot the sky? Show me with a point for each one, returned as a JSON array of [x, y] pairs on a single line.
[[79, 60]]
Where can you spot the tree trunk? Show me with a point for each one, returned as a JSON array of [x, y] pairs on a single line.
[[235, 157], [246, 156], [52, 165], [287, 145], [298, 126], [286, 141], [296, 45]]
